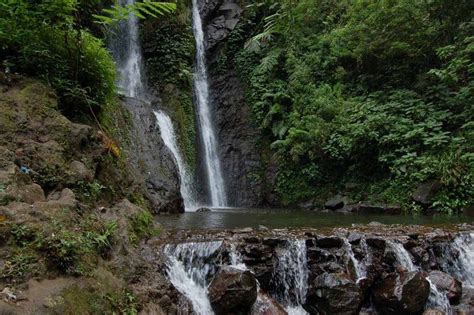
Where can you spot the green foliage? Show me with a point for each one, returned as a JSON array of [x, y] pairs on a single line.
[[376, 92], [70, 243], [142, 226], [47, 40], [19, 265], [139, 9], [90, 191], [97, 300]]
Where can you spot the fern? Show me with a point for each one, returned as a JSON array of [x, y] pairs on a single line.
[[139, 9]]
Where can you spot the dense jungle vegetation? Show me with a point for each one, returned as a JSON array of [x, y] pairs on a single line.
[[374, 93]]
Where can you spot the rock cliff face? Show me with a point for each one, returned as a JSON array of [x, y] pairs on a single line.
[[238, 137], [153, 164]]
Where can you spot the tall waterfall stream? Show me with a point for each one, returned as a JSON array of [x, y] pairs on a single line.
[[215, 178]]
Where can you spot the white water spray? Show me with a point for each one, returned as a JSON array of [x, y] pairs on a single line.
[[360, 268], [189, 268], [291, 277], [438, 300], [402, 255], [463, 267], [213, 166], [169, 138]]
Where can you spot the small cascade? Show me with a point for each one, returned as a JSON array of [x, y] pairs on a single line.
[[438, 300], [463, 266], [190, 266], [169, 138], [359, 267], [206, 126], [402, 255], [291, 277], [236, 260]]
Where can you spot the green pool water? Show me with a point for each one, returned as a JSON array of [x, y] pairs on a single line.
[[232, 218]]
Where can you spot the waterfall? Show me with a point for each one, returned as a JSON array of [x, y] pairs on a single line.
[[402, 255], [201, 86], [129, 57], [190, 265], [236, 259], [291, 277], [463, 265], [359, 267], [169, 138], [438, 300]]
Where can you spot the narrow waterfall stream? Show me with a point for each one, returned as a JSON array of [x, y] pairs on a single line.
[[169, 138], [206, 126], [291, 277], [359, 266], [402, 255]]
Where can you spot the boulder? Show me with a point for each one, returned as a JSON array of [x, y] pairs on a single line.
[[425, 192], [466, 303], [233, 291], [266, 305], [401, 293], [80, 172], [30, 193], [333, 293], [448, 284], [203, 209], [334, 203]]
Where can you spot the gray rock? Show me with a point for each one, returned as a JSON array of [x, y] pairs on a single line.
[[233, 291], [203, 209], [80, 172], [30, 193], [334, 203], [266, 305], [332, 293], [425, 192], [151, 163], [448, 284], [404, 293], [329, 242], [375, 209]]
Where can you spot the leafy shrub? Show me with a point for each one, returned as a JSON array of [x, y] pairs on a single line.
[[47, 40], [141, 226]]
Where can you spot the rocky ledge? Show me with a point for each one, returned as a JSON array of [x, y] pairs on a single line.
[[373, 269]]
